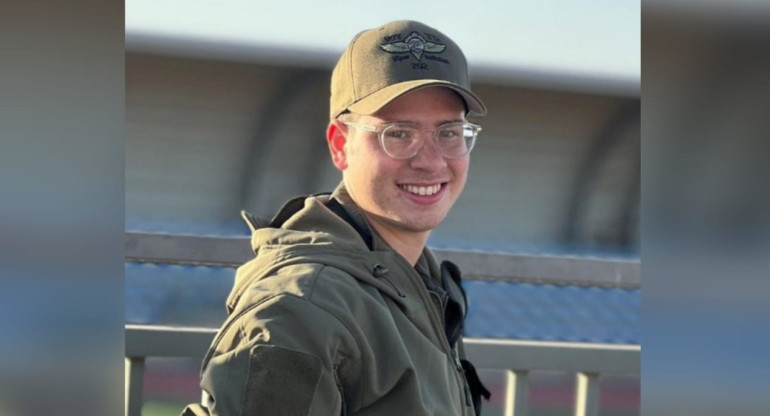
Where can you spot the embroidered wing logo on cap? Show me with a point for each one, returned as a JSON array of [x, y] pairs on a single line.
[[414, 43]]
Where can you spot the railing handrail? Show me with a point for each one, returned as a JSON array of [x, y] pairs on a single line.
[[516, 357], [503, 354], [548, 269]]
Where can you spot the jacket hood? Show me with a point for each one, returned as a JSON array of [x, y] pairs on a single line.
[[307, 231]]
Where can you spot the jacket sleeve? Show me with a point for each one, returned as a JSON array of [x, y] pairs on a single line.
[[281, 357]]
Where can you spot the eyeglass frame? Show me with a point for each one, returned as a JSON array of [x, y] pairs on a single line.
[[381, 129]]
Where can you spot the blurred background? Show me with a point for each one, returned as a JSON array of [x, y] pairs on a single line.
[[226, 109]]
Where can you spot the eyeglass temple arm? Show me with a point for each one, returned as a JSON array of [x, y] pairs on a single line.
[[361, 126]]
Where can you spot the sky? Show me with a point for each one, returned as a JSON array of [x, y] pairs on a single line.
[[595, 39]]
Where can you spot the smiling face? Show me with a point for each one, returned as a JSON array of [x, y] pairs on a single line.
[[410, 196]]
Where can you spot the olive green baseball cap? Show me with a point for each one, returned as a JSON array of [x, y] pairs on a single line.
[[381, 64]]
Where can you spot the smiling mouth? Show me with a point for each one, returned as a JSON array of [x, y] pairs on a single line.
[[423, 190]]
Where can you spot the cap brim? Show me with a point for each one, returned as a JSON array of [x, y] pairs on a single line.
[[375, 101]]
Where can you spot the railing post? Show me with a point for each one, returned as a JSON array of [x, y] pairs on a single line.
[[134, 385], [587, 394], [516, 393]]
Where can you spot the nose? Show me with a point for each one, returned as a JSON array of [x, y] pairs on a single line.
[[428, 158]]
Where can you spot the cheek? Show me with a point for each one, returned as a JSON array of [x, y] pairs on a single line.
[[357, 152], [460, 171], [361, 168], [370, 164]]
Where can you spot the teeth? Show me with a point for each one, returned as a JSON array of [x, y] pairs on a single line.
[[422, 190]]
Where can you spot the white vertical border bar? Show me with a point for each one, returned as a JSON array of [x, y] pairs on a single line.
[[134, 385]]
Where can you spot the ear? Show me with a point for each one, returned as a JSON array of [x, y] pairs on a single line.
[[336, 136]]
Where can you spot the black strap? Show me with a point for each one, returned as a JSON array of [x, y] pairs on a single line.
[[364, 232], [287, 210], [292, 206], [253, 222], [457, 304], [476, 386]]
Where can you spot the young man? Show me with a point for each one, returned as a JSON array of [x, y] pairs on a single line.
[[344, 310]]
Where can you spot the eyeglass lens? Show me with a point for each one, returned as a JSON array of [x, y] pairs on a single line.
[[453, 140]]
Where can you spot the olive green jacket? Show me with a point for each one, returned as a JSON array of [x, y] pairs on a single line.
[[320, 324]]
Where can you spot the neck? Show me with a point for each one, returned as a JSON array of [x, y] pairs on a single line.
[[408, 244]]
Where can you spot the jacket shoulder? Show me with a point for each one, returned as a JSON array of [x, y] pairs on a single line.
[[297, 279]]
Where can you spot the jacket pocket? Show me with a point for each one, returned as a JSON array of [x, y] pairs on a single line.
[[281, 382]]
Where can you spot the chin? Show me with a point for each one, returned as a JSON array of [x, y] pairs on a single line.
[[418, 225]]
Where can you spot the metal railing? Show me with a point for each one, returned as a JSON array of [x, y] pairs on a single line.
[[517, 358], [537, 269]]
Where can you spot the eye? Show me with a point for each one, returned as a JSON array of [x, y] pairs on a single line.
[[399, 133], [450, 133], [447, 133]]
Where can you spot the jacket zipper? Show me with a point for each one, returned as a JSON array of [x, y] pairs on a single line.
[[425, 297], [461, 370], [455, 356], [344, 410]]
